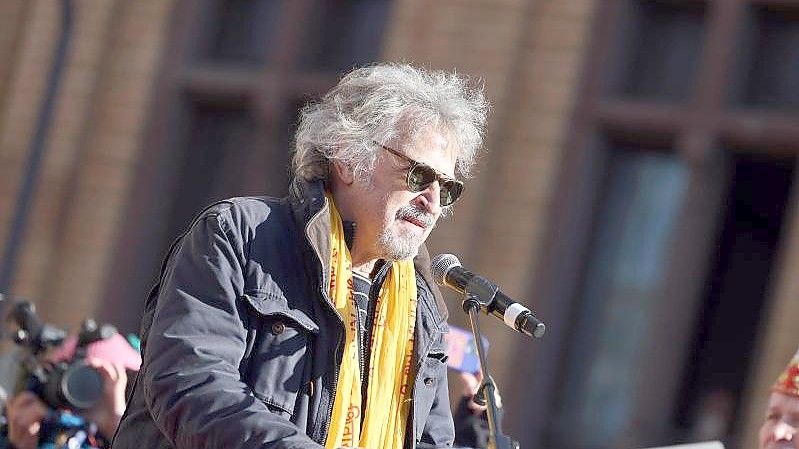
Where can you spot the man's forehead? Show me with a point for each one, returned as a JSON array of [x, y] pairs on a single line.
[[783, 401], [440, 140], [429, 141]]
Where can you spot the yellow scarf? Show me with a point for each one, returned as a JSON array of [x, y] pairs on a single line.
[[389, 391]]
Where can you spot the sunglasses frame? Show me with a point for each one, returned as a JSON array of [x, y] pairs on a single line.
[[440, 177]]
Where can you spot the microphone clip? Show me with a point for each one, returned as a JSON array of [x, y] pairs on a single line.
[[479, 294]]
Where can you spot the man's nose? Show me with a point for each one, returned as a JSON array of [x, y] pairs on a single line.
[[431, 197], [784, 432]]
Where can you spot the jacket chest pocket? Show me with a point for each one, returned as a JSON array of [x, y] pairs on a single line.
[[278, 368]]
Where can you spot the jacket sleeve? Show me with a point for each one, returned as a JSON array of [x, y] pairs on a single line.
[[192, 385]]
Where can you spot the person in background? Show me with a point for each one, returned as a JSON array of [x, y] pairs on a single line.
[[113, 358], [471, 422], [780, 429]]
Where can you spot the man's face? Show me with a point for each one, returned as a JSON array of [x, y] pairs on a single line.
[[781, 428], [393, 221]]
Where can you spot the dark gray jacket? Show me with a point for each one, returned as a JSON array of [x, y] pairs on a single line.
[[242, 346]]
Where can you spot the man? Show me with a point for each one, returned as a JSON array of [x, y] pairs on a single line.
[[780, 430], [313, 320]]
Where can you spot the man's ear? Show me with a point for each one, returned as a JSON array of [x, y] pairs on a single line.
[[344, 172]]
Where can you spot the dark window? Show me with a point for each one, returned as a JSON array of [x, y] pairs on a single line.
[[773, 68], [215, 151], [242, 30], [345, 33], [641, 201], [663, 49], [729, 315]]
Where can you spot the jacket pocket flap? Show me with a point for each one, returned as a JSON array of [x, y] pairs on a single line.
[[275, 304]]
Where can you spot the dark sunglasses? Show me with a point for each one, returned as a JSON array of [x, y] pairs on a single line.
[[421, 175]]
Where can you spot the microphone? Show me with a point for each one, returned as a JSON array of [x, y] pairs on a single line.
[[447, 271]]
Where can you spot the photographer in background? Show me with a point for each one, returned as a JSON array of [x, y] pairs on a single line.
[[469, 416], [471, 423], [111, 358]]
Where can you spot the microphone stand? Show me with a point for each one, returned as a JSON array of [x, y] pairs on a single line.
[[472, 303]]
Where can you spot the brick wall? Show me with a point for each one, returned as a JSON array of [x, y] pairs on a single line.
[[91, 150], [13, 16], [25, 84]]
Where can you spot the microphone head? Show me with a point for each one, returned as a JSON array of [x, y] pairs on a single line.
[[441, 264]]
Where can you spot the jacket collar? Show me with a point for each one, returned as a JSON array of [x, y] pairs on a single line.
[[422, 264], [310, 208]]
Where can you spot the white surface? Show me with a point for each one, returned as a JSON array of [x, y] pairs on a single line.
[[512, 312], [705, 445]]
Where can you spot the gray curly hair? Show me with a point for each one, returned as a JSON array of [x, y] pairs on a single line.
[[382, 102]]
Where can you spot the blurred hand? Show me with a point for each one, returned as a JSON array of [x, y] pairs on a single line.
[[108, 411], [25, 414], [470, 383]]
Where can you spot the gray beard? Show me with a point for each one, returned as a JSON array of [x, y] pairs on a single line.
[[398, 247]]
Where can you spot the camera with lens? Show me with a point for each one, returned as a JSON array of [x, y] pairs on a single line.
[[71, 384], [55, 368]]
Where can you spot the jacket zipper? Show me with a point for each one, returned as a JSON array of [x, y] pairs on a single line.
[[362, 338], [337, 354]]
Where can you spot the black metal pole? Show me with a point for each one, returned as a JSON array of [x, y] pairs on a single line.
[[496, 439], [16, 232]]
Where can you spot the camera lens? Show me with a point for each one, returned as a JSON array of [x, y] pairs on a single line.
[[80, 386]]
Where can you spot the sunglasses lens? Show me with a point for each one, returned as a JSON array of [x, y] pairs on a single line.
[[450, 191], [420, 177]]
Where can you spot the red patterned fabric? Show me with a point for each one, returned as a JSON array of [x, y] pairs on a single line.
[[788, 381]]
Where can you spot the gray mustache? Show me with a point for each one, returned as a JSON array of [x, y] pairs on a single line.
[[416, 214]]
